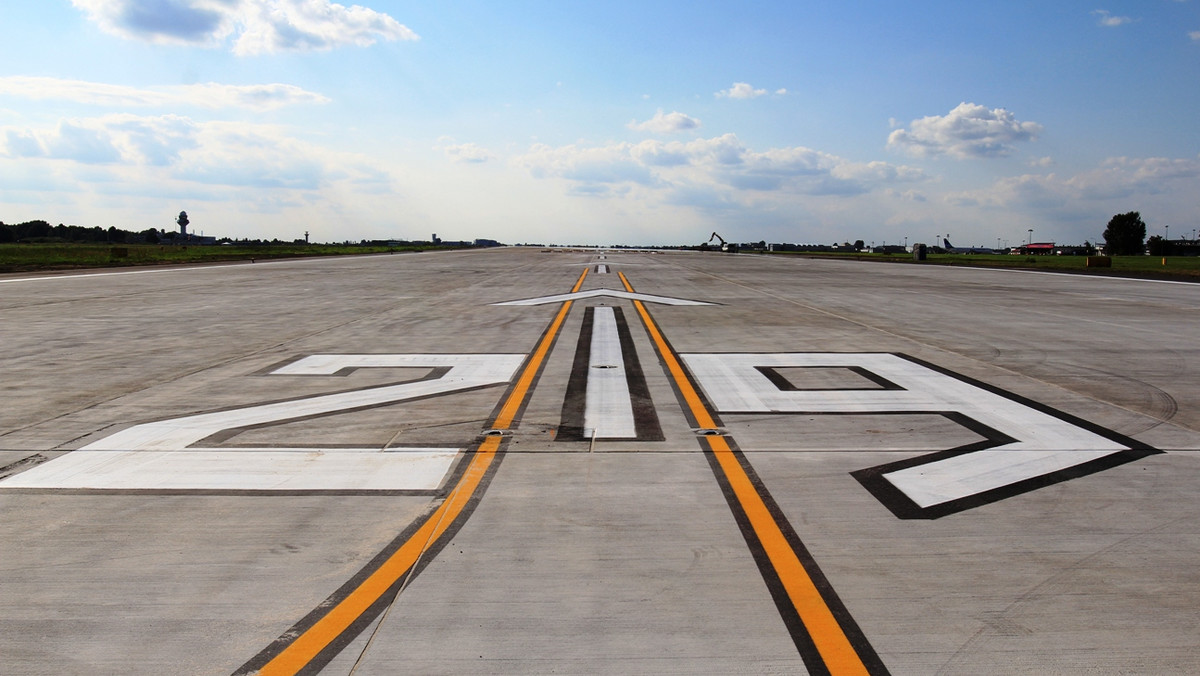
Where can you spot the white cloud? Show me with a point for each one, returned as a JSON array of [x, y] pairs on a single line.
[[970, 130], [82, 143], [1195, 35], [665, 123], [1105, 18], [1115, 179], [260, 26], [1124, 176], [592, 170], [209, 95], [256, 97], [741, 90], [179, 149], [23, 143], [721, 164], [468, 153]]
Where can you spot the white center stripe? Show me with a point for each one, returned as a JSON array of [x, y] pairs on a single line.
[[608, 412]]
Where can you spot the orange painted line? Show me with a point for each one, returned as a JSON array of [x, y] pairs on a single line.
[[579, 282], [699, 411], [512, 405], [835, 648], [508, 412], [305, 647], [308, 645], [695, 404], [831, 641]]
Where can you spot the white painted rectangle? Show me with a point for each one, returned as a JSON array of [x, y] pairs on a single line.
[[243, 469], [608, 411]]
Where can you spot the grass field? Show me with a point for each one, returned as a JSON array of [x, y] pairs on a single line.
[[1184, 268], [34, 257]]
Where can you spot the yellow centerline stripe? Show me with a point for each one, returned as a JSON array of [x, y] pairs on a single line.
[[308, 645], [301, 651], [826, 632], [830, 639], [512, 405]]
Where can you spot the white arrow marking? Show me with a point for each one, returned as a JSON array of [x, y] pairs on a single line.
[[603, 293]]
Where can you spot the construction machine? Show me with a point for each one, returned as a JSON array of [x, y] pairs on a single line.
[[727, 247]]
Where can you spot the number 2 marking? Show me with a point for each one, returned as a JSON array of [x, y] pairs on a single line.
[[163, 454]]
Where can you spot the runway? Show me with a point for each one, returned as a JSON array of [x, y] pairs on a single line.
[[530, 460]]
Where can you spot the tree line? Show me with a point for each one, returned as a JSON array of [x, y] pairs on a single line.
[[42, 231]]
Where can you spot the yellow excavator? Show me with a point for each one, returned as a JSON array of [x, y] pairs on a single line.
[[727, 247]]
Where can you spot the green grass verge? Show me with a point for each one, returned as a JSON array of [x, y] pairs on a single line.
[[35, 257], [1186, 268]]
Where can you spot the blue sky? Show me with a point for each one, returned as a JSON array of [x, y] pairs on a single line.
[[616, 122]]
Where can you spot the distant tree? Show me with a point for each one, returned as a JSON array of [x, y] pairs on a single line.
[[1157, 245], [151, 235], [859, 245], [6, 233], [33, 229], [1125, 234]]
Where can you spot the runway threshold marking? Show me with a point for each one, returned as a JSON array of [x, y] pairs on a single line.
[[826, 635], [317, 639]]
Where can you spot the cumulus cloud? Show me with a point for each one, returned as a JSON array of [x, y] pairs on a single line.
[[178, 148], [665, 123], [1105, 18], [741, 90], [23, 143], [256, 26], [209, 95], [82, 143], [1117, 178], [1124, 176], [468, 153], [970, 130], [593, 170], [721, 163], [115, 139]]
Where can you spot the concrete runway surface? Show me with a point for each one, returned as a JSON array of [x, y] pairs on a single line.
[[550, 461]]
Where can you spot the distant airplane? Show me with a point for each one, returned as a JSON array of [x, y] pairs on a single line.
[[965, 250]]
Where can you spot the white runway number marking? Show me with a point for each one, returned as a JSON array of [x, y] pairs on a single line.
[[163, 455], [1025, 443]]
